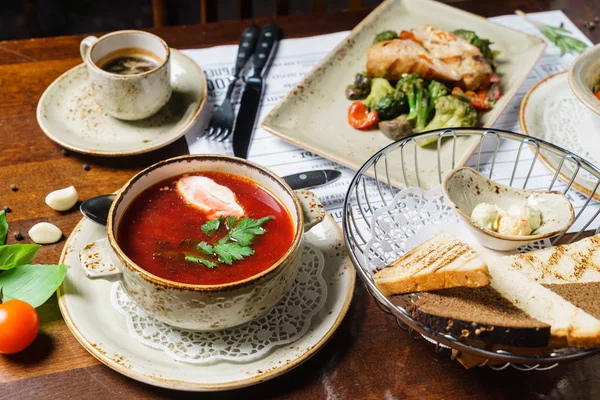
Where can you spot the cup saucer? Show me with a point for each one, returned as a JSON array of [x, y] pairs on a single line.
[[103, 331], [550, 111], [68, 114]]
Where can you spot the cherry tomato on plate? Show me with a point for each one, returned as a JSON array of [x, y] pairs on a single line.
[[19, 326], [360, 117]]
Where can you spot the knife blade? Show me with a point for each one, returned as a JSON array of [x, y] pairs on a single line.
[[312, 179], [263, 55]]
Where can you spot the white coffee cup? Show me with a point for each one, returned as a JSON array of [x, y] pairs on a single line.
[[128, 96]]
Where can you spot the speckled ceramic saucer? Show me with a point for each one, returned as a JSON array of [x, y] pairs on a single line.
[[86, 307], [551, 111], [68, 114]]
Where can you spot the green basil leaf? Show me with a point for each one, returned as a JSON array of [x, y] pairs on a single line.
[[13, 255], [3, 227], [32, 283]]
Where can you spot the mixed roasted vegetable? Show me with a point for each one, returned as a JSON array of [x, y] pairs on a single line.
[[596, 88], [422, 80]]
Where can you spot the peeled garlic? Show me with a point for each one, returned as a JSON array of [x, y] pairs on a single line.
[[45, 233], [62, 199]]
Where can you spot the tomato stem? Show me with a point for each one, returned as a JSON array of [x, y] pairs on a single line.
[[0, 295]]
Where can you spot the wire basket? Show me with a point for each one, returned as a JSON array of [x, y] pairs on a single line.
[[510, 158]]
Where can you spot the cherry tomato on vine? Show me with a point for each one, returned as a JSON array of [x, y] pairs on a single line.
[[19, 326]]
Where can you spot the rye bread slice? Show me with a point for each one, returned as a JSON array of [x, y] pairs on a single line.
[[480, 314], [570, 324], [583, 295]]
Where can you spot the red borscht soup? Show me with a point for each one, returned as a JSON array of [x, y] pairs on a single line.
[[205, 229]]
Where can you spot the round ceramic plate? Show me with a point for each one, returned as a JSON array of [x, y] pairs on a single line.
[[550, 111], [98, 326], [68, 114]]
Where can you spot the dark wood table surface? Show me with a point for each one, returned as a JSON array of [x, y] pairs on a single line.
[[368, 357]]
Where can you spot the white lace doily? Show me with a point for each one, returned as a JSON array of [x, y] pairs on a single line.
[[413, 217], [287, 321], [573, 126]]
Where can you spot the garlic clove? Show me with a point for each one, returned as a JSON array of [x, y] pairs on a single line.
[[45, 233], [62, 199]]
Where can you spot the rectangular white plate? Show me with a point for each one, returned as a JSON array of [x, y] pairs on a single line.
[[314, 114]]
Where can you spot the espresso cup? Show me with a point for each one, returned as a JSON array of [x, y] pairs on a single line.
[[132, 93]]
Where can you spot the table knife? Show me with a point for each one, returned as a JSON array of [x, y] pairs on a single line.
[[263, 55], [97, 208], [312, 179]]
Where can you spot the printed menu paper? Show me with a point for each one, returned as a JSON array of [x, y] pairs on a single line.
[[296, 57]]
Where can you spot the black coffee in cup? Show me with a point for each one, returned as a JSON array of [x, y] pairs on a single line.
[[129, 61]]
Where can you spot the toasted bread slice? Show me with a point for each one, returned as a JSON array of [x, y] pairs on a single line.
[[440, 263], [480, 314], [575, 262], [570, 325]]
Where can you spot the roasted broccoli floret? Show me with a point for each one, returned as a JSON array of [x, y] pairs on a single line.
[[390, 105], [436, 90], [482, 44], [418, 98], [450, 112], [379, 88], [385, 35]]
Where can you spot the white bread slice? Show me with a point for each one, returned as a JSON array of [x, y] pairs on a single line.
[[442, 262], [570, 325], [575, 262]]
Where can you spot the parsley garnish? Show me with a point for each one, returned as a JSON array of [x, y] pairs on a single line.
[[235, 245], [204, 261], [211, 226]]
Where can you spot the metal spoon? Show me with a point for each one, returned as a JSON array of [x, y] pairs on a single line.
[[97, 207]]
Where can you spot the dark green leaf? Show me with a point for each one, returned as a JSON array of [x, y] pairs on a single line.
[[32, 283], [231, 222], [247, 229], [13, 255], [3, 227], [227, 252], [211, 226], [204, 261], [205, 248], [244, 238]]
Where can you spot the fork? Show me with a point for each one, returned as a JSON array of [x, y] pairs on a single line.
[[221, 123]]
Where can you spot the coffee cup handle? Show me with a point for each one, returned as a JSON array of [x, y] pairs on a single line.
[[312, 209], [98, 260], [85, 45]]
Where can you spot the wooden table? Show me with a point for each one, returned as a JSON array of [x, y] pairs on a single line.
[[368, 357]]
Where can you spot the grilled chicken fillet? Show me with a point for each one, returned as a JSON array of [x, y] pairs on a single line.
[[391, 59], [457, 53]]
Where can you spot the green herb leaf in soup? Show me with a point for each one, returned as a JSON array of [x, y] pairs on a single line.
[[201, 260], [245, 231], [212, 226], [3, 227], [227, 252], [14, 255], [205, 248], [32, 283]]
